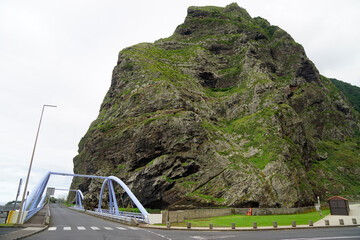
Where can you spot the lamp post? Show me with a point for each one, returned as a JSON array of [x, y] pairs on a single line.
[[31, 161]]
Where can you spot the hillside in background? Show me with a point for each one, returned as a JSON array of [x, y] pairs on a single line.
[[228, 111], [351, 92]]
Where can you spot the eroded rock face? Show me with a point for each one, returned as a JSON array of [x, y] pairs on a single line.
[[228, 111]]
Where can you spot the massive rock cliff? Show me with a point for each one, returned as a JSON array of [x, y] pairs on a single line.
[[228, 111]]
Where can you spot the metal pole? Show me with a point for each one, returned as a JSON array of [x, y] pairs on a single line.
[[18, 193], [319, 205], [31, 161]]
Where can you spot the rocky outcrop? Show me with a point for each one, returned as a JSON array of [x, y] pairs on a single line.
[[228, 111]]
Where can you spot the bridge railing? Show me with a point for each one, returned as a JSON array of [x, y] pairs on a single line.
[[126, 216]]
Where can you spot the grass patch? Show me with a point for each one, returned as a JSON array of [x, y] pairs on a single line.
[[69, 204], [247, 221], [6, 224]]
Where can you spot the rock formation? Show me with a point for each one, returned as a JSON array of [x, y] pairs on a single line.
[[228, 111]]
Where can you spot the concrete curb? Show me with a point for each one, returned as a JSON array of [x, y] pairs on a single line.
[[265, 228]]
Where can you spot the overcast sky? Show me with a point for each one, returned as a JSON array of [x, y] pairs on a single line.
[[63, 53]]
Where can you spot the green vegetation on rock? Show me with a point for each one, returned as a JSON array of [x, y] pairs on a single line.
[[228, 111]]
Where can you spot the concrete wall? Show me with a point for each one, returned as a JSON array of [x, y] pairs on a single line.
[[180, 216], [206, 213], [155, 218], [172, 216]]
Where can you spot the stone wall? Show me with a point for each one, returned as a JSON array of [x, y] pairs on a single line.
[[273, 211]]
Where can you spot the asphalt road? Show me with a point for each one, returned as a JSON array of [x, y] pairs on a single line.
[[68, 224]]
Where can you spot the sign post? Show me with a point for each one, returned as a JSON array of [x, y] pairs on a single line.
[[18, 193]]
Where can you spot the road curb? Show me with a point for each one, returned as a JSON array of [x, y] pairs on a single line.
[[219, 229]]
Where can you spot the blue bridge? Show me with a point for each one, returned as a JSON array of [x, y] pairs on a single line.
[[36, 199]]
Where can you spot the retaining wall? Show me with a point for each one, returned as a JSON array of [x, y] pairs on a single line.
[[274, 211], [181, 216]]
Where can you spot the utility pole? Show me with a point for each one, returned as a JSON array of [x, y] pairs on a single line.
[[31, 161]]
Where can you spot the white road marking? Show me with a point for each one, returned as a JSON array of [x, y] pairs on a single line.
[[81, 228], [162, 236], [133, 228], [121, 228], [324, 238], [213, 237]]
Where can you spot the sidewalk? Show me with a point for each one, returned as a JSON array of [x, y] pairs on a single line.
[[348, 220], [22, 233], [35, 225]]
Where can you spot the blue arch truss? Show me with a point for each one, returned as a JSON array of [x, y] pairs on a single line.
[[114, 209], [36, 198], [78, 197]]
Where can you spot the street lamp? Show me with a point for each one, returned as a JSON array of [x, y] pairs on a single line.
[[31, 161]]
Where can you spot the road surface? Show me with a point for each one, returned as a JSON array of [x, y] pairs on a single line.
[[68, 224]]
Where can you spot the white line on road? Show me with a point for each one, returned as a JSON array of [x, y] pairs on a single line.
[[67, 228], [133, 228], [108, 228], [81, 228], [52, 228], [162, 236], [121, 228], [95, 228], [213, 237], [324, 238]]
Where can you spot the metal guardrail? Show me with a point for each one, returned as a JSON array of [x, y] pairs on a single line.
[[78, 207], [125, 216], [4, 216]]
